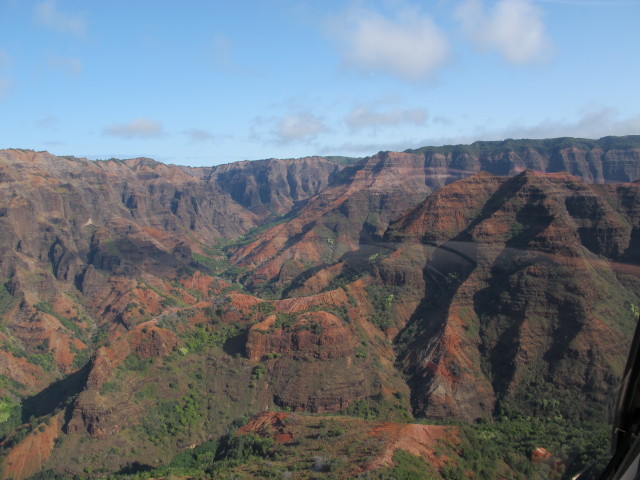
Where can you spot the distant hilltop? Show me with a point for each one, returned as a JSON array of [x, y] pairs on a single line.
[[148, 306]]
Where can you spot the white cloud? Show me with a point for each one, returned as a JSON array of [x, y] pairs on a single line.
[[592, 3], [68, 65], [410, 46], [514, 28], [47, 14], [200, 135], [367, 117], [361, 149], [299, 127], [138, 128], [592, 122]]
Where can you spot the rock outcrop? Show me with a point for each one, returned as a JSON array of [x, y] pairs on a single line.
[[313, 335], [366, 196], [469, 281], [98, 416], [74, 227], [523, 297]]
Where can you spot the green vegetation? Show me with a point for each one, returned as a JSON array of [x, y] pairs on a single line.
[[343, 160], [257, 373], [343, 280], [99, 337], [110, 246], [264, 308], [10, 416], [46, 307], [200, 458], [285, 320], [7, 301], [169, 419], [81, 356], [215, 264], [406, 467], [191, 394], [167, 300], [223, 246], [10, 385], [487, 446], [267, 290], [211, 459], [621, 142], [72, 158], [110, 387], [381, 299], [243, 447], [135, 363], [326, 448], [392, 409], [516, 229], [45, 360], [208, 335], [545, 146]]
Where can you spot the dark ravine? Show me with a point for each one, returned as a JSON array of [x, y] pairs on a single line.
[[162, 302]]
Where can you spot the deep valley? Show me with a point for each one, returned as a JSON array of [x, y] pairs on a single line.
[[433, 313]]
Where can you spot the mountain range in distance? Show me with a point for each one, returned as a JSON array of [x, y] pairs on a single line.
[[317, 317]]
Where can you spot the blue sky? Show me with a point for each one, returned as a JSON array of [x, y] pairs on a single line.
[[208, 82]]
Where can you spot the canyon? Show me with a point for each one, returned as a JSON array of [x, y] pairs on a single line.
[[146, 308]]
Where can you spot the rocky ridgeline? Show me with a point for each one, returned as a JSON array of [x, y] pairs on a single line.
[[465, 281], [528, 282]]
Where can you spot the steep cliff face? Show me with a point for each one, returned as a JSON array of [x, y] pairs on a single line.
[[274, 186], [68, 224], [362, 202], [523, 297], [320, 353], [72, 212], [610, 159], [143, 308], [99, 416], [365, 197]]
